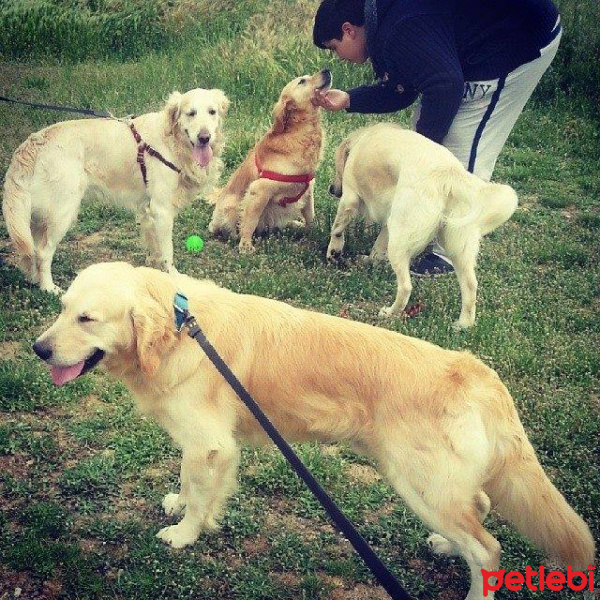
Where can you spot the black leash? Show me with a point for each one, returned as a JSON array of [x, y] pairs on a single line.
[[81, 111], [379, 570]]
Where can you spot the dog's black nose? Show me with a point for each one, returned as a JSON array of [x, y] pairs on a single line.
[[204, 139], [42, 351], [334, 191]]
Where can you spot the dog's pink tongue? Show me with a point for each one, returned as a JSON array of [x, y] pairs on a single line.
[[202, 154], [61, 375]]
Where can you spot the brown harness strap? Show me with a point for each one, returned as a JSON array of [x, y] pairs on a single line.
[[142, 149], [305, 178]]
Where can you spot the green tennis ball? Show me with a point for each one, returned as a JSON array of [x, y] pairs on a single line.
[[194, 243]]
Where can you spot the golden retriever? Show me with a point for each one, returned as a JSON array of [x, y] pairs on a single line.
[[54, 168], [440, 424], [255, 198], [416, 190]]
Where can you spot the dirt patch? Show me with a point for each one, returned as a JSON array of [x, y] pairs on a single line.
[[9, 350], [358, 592], [256, 546], [16, 465], [23, 586], [363, 473]]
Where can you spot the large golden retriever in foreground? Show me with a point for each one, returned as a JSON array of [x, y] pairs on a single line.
[[273, 186], [416, 190], [154, 164], [440, 424]]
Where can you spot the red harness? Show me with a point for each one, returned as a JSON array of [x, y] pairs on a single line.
[[305, 179], [142, 149]]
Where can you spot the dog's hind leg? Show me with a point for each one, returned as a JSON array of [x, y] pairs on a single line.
[[439, 480], [412, 223], [462, 248], [224, 219], [347, 209], [440, 545], [379, 251], [61, 199]]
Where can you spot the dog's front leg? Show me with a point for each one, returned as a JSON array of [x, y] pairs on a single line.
[[161, 219], [308, 210], [255, 201], [346, 211], [209, 477], [149, 239]]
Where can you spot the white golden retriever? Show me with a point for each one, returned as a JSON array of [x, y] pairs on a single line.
[[440, 424], [416, 190], [54, 168]]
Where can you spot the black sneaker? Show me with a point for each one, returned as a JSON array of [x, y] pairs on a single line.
[[430, 264]]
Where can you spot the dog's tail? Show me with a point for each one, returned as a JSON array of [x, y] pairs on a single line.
[[523, 494], [16, 205], [492, 204], [341, 156]]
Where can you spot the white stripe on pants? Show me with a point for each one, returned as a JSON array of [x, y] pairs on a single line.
[[479, 150]]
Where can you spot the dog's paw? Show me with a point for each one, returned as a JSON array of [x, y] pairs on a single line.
[[172, 505], [461, 325], [440, 545], [178, 536], [53, 289], [211, 523], [334, 256], [246, 247], [386, 312]]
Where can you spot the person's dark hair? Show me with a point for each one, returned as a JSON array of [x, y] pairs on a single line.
[[330, 17]]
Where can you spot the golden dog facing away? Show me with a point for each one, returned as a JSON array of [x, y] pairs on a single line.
[[53, 169], [440, 424], [416, 190], [259, 195]]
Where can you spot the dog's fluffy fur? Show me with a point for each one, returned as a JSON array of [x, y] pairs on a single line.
[[416, 190], [293, 146], [440, 424], [54, 168]]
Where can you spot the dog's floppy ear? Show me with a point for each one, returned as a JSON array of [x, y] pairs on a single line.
[[282, 112], [222, 101], [173, 109], [153, 319]]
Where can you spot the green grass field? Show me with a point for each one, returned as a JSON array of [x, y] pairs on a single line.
[[82, 474]]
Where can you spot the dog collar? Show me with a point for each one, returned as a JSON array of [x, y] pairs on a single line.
[[180, 304]]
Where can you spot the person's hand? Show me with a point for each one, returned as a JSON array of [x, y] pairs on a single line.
[[331, 100]]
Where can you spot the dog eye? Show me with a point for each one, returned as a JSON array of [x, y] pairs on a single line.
[[85, 319], [212, 111], [192, 113], [302, 81]]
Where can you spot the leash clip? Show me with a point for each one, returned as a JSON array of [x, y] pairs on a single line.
[[180, 304]]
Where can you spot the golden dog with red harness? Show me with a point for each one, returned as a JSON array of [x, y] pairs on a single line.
[[273, 186]]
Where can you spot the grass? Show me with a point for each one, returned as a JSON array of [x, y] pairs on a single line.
[[82, 474]]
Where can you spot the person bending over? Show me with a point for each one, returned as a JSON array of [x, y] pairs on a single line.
[[470, 66]]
